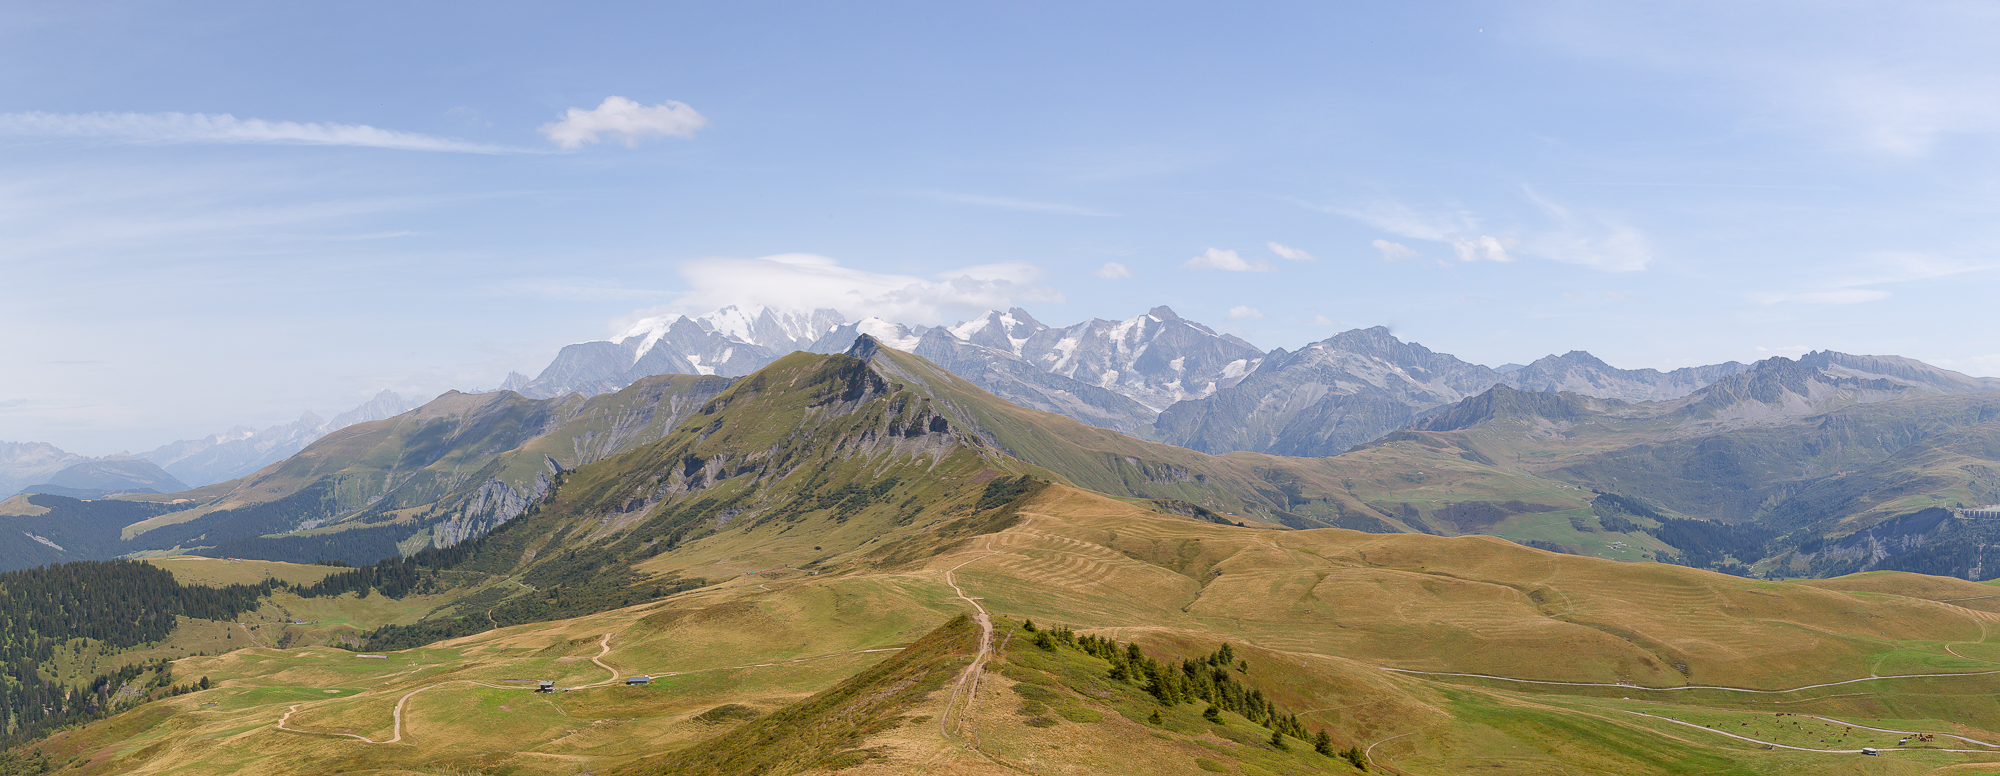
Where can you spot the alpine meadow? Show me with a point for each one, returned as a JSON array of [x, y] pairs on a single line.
[[1015, 389]]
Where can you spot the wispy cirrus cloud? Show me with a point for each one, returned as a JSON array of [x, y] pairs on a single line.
[[1010, 203], [186, 128], [623, 120], [1899, 80], [1395, 251], [1878, 269], [1112, 271], [569, 289], [1588, 239]]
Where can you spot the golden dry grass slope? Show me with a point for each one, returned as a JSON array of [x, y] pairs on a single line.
[[1319, 616]]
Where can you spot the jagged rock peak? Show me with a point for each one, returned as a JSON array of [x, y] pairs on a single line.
[[1007, 331], [865, 347], [1164, 313]]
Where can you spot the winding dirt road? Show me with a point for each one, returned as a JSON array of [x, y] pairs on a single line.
[[1808, 749], [1687, 686], [966, 689], [396, 728]]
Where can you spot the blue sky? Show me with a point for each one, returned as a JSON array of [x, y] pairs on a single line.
[[221, 213]]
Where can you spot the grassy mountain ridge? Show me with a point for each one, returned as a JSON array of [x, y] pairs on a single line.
[[767, 555]]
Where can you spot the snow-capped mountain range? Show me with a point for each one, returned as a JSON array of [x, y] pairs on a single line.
[[1154, 375]]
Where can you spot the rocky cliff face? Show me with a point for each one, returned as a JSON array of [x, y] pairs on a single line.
[[1907, 371]]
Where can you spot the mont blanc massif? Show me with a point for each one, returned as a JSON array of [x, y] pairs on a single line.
[[765, 541]]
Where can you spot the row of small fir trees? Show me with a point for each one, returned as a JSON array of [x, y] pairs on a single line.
[[1213, 679]]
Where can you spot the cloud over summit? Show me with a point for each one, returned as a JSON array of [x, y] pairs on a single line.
[[804, 281]]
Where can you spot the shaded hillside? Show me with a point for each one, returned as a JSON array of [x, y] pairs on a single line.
[[1854, 460], [1796, 454], [45, 528]]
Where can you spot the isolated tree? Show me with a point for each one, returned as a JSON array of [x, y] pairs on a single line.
[[1278, 741], [1323, 744]]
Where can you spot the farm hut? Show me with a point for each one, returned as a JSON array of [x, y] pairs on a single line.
[[637, 680], [545, 685]]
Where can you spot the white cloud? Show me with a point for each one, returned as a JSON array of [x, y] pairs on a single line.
[[1228, 261], [1290, 252], [1591, 240], [1395, 251], [1483, 247], [1455, 228], [1245, 312], [623, 120], [1112, 271], [165, 128], [802, 281]]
